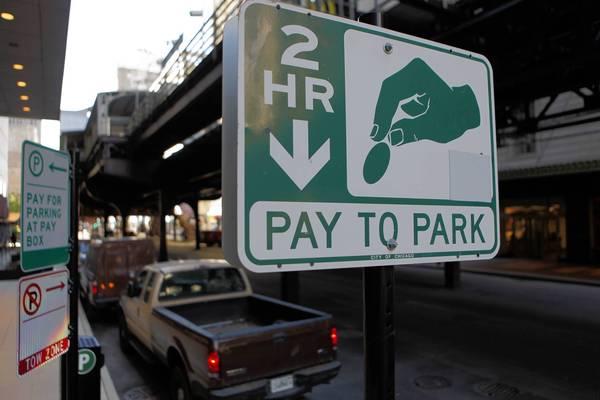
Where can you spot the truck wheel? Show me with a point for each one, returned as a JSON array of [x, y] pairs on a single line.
[[124, 335], [179, 388]]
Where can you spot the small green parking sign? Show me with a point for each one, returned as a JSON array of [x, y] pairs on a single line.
[[349, 145], [45, 207], [87, 361]]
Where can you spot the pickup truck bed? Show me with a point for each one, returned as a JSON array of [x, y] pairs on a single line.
[[231, 317], [258, 338]]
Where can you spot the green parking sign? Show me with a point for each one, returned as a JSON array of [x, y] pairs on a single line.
[[45, 207], [87, 361], [348, 145]]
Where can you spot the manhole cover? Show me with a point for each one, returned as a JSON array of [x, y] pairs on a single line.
[[140, 393], [432, 382], [497, 390]]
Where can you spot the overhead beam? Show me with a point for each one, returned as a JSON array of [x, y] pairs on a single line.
[[477, 20], [182, 103]]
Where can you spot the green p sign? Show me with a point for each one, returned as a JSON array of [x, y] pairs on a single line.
[[87, 361], [45, 207], [348, 145]]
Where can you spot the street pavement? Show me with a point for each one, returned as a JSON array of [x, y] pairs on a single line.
[[494, 337]]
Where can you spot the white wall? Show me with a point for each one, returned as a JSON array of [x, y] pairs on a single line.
[[3, 156], [553, 147]]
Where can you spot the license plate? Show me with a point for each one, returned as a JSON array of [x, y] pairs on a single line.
[[282, 383]]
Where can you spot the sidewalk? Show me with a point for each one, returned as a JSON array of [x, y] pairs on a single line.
[[187, 250], [514, 267], [534, 269]]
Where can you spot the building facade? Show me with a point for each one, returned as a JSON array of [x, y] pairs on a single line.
[[19, 130], [549, 191], [3, 157]]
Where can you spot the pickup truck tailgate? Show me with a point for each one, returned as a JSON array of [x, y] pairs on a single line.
[[281, 349]]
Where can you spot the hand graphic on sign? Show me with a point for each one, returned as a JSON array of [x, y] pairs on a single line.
[[416, 104]]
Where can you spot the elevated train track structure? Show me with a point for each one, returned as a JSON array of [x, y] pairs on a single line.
[[541, 51]]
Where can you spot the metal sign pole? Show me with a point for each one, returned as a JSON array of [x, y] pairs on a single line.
[[378, 322], [70, 361], [377, 13], [379, 332]]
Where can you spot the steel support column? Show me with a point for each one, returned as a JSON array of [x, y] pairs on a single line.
[[162, 207], [124, 216], [197, 225], [105, 223]]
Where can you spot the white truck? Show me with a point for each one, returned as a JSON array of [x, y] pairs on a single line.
[[221, 341]]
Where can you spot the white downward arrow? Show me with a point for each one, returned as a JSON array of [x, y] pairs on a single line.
[[300, 167]]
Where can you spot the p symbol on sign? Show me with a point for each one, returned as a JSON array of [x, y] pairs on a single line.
[[84, 358], [36, 163], [87, 361], [32, 299]]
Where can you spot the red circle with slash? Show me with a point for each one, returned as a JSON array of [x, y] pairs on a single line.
[[32, 299]]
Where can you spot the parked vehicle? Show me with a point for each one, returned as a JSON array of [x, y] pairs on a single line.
[[221, 341], [211, 237], [105, 267]]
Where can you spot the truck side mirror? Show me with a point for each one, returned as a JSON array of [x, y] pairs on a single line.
[[133, 290]]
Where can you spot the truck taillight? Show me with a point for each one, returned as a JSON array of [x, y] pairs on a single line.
[[111, 285], [94, 288], [333, 335], [214, 363]]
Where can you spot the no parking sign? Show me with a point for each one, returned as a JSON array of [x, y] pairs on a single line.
[[43, 319]]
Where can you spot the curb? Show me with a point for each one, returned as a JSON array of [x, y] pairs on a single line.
[[523, 275]]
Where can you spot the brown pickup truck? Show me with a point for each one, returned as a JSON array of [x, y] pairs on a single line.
[[221, 341]]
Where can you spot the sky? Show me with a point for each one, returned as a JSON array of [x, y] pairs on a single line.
[[50, 133], [106, 34]]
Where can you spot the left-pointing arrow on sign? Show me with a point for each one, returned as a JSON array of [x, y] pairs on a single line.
[[299, 167], [61, 286], [54, 168]]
